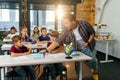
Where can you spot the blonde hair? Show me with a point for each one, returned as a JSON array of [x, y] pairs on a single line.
[[21, 28], [69, 16]]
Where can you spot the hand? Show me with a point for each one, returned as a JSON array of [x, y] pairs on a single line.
[[26, 53], [43, 51], [85, 45], [7, 37]]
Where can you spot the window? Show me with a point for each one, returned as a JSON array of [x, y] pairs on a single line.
[[61, 10], [50, 19], [9, 16], [44, 15], [5, 15]]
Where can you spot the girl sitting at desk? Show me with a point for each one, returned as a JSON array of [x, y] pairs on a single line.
[[24, 35], [36, 33]]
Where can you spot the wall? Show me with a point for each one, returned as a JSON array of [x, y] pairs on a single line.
[[111, 17]]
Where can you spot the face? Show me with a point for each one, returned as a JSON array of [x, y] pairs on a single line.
[[69, 25], [12, 31], [24, 31], [18, 43], [36, 30], [44, 32]]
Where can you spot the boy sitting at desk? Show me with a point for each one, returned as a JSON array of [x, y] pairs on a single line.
[[57, 68], [12, 33], [20, 50], [44, 37]]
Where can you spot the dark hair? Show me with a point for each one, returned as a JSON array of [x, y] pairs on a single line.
[[43, 28], [69, 16], [16, 38], [12, 28], [37, 28]]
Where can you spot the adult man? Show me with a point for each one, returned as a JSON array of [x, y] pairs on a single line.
[[81, 34]]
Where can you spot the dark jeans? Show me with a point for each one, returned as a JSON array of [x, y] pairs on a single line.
[[92, 64], [25, 70], [54, 70]]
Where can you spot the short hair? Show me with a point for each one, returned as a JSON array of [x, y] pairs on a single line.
[[16, 38], [43, 28], [54, 33], [12, 28], [69, 16]]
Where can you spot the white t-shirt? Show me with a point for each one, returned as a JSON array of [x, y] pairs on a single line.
[[11, 35], [77, 34]]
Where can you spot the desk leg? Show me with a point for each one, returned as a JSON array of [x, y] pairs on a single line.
[[106, 56], [6, 53], [2, 74], [80, 72]]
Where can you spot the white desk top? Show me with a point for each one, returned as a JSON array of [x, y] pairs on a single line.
[[7, 60], [8, 46], [104, 39], [7, 40]]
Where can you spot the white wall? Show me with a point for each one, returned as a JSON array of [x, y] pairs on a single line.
[[111, 17]]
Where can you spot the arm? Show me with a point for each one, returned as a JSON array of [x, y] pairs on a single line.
[[53, 46], [13, 54], [89, 40], [29, 51], [60, 49], [90, 31], [17, 54], [56, 43]]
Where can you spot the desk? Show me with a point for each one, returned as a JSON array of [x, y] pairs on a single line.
[[7, 40], [33, 46], [48, 59], [107, 41], [6, 48]]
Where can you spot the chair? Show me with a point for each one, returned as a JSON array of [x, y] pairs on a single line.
[[12, 74]]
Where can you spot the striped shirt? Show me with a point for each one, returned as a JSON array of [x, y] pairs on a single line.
[[85, 30]]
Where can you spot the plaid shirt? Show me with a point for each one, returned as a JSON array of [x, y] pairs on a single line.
[[84, 29]]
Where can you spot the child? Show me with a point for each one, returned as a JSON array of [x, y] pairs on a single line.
[[54, 35], [44, 37], [12, 33], [36, 33], [24, 35], [57, 68], [20, 50]]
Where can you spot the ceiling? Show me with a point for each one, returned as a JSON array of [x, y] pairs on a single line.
[[45, 1]]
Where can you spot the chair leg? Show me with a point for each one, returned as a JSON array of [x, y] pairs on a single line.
[[66, 74], [61, 76]]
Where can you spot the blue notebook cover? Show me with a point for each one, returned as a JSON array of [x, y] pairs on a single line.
[[37, 55]]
